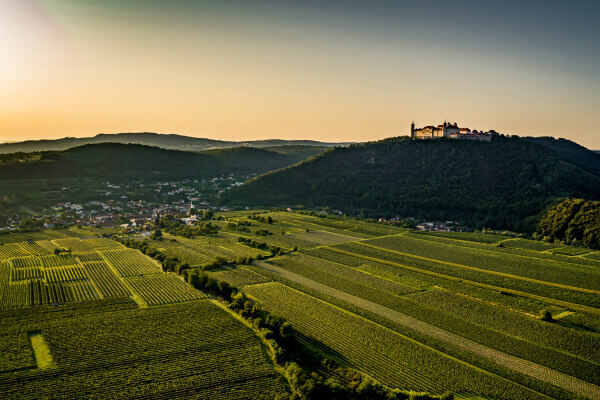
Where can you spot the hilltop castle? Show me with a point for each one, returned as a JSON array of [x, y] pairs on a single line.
[[449, 130]]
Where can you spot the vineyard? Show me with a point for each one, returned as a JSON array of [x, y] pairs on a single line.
[[393, 358], [130, 262], [483, 315], [485, 288], [161, 289], [95, 268], [158, 354]]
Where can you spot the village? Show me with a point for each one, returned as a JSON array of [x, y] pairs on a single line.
[[116, 202]]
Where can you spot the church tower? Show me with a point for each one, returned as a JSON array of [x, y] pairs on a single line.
[[412, 129]]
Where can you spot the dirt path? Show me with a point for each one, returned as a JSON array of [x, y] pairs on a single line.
[[529, 368]]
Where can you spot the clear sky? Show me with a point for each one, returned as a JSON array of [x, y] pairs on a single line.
[[325, 70]]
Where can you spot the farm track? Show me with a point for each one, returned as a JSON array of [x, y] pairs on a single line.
[[547, 300], [531, 369]]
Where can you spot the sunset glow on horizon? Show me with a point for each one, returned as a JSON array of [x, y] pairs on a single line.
[[330, 71]]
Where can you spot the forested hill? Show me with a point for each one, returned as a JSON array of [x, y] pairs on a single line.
[[507, 182], [172, 142], [574, 221], [571, 151], [113, 160]]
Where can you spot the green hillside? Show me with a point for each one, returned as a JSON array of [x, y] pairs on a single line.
[[113, 160], [571, 151], [572, 221], [504, 183]]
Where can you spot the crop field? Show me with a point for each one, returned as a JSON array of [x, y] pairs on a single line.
[[129, 262], [539, 269], [425, 311], [202, 250], [26, 262], [108, 284], [530, 244], [106, 322], [163, 289], [470, 237], [238, 276], [393, 358], [320, 237], [97, 268], [545, 254], [115, 351], [485, 289], [76, 245], [46, 234], [57, 261]]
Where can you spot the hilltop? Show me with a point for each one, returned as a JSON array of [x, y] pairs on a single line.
[[166, 141], [505, 183]]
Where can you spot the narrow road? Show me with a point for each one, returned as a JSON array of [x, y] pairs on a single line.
[[545, 374]]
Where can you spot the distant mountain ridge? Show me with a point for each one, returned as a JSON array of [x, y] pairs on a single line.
[[165, 141], [506, 183], [123, 161]]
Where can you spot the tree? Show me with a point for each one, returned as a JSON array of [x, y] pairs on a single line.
[[545, 315]]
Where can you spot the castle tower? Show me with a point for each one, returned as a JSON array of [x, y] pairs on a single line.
[[412, 129]]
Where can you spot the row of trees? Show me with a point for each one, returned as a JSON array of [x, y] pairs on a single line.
[[260, 218], [274, 250]]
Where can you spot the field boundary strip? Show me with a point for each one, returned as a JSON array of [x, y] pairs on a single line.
[[41, 352], [520, 365], [487, 271], [561, 303]]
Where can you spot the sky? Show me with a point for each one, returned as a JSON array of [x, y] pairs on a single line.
[[324, 70]]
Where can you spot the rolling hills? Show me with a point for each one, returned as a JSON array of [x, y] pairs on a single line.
[[172, 142], [505, 183], [115, 160]]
